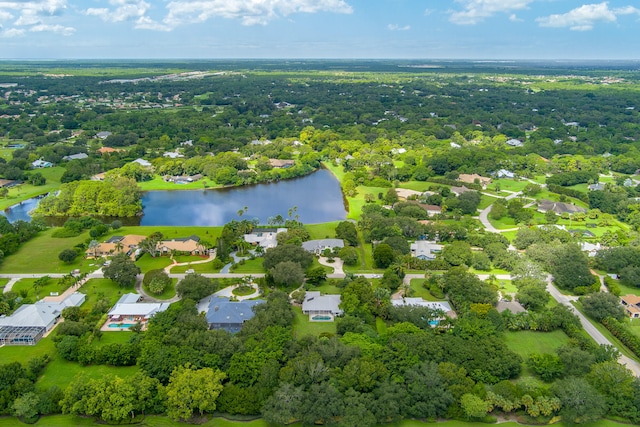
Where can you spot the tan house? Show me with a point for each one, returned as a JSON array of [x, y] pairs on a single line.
[[282, 164], [104, 150], [631, 305], [471, 179], [189, 245], [115, 245]]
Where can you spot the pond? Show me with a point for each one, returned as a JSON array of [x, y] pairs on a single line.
[[318, 198]]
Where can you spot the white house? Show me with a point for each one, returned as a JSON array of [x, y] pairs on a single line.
[[78, 156], [129, 310], [319, 246], [515, 143], [39, 164], [425, 249], [142, 162], [321, 308], [265, 237]]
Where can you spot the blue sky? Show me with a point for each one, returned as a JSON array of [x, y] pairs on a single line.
[[413, 29]]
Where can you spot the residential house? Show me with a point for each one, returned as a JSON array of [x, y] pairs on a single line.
[[103, 134], [116, 244], [98, 177], [30, 322], [459, 190], [108, 150], [265, 237], [515, 143], [598, 186], [442, 306], [319, 246], [631, 305], [129, 310], [190, 245], [471, 179], [39, 164], [558, 207], [398, 150], [8, 183], [142, 162], [405, 193], [172, 154], [281, 164], [228, 315], [628, 183], [454, 145], [504, 173], [590, 248], [188, 143], [183, 179], [425, 249], [78, 156], [431, 210], [513, 306], [321, 308]]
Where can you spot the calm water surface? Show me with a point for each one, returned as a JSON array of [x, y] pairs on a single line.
[[317, 196]]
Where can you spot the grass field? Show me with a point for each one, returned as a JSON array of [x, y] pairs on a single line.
[[26, 191], [40, 255], [146, 262], [525, 343], [325, 230], [157, 183], [419, 291], [26, 285], [251, 266], [96, 289], [303, 327]]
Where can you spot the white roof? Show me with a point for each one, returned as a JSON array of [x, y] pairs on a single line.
[[264, 237], [322, 244], [142, 162], [42, 313], [424, 248], [314, 301], [146, 309], [434, 305]]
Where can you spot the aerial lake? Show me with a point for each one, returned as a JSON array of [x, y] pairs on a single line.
[[318, 198]]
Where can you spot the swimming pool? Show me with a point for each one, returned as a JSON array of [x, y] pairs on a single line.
[[322, 318], [121, 325]]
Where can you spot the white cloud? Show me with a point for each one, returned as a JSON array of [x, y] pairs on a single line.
[[249, 12], [32, 12], [475, 11], [514, 18], [396, 27], [12, 32], [584, 18], [146, 23], [123, 10], [5, 16], [65, 31]]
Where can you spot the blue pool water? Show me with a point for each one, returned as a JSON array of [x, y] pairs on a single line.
[[121, 325]]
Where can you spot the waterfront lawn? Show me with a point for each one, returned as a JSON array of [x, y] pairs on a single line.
[[208, 234], [157, 183], [325, 230], [26, 191], [40, 255], [303, 327]]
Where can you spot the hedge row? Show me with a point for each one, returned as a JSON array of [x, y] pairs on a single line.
[[620, 331], [568, 192], [455, 183]]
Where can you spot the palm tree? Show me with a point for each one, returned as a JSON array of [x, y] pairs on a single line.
[[119, 246], [93, 247]]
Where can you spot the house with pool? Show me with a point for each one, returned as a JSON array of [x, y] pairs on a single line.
[[129, 310], [321, 308], [442, 307]]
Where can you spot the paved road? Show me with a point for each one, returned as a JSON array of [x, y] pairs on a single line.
[[566, 300], [484, 216]]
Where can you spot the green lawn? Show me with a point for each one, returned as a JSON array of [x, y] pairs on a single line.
[[60, 372], [146, 262], [168, 293], [420, 291], [206, 267], [302, 326], [326, 230], [503, 223], [23, 285], [328, 287], [96, 289], [209, 234], [485, 201], [26, 191], [627, 290], [40, 255], [525, 343], [251, 266], [23, 353], [157, 183], [509, 184]]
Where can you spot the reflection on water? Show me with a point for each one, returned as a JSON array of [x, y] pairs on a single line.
[[317, 196]]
